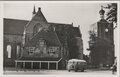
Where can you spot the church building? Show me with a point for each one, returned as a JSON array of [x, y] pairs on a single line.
[[39, 44]]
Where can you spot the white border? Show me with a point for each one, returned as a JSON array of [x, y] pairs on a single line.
[[1, 38]]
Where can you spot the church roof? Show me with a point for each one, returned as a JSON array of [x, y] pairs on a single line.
[[50, 38], [66, 31], [39, 16], [61, 30], [14, 26]]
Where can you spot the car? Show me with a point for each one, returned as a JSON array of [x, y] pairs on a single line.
[[76, 64]]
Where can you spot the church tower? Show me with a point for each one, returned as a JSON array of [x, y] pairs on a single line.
[[105, 40], [102, 24], [102, 47]]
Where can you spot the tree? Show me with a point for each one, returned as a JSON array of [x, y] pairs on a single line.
[[112, 12]]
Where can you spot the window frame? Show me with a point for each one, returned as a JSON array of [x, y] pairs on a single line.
[[51, 51], [31, 51]]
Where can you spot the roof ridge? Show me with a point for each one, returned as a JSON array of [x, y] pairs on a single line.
[[16, 19], [58, 23]]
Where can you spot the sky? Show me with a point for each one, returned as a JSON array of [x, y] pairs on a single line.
[[78, 13]]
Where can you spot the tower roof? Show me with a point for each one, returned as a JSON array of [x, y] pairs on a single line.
[[101, 12]]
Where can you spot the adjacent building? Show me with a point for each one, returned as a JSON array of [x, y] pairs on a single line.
[[101, 42], [39, 44]]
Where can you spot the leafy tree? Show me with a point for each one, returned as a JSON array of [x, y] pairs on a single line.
[[112, 12]]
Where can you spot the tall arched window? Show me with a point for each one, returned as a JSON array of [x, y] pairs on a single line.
[[18, 49], [37, 28], [9, 51]]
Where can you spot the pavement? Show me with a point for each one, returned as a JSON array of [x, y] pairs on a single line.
[[57, 72]]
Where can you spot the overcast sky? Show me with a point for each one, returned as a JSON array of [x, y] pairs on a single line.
[[80, 13]]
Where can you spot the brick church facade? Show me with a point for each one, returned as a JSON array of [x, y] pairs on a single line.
[[39, 44]]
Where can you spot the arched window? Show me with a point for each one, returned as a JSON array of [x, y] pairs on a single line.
[[37, 28], [18, 49], [9, 51]]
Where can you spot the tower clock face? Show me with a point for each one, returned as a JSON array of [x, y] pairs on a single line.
[[106, 30]]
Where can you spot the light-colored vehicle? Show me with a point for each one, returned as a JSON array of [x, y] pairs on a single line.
[[76, 64]]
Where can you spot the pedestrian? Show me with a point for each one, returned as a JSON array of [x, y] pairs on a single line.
[[114, 67]]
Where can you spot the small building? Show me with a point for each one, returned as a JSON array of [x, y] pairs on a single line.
[[39, 44]]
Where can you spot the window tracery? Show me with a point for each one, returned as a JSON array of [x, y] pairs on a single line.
[[37, 28]]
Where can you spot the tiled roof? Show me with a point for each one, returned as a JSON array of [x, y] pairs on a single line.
[[39, 16], [66, 32], [61, 30], [14, 26], [50, 37]]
